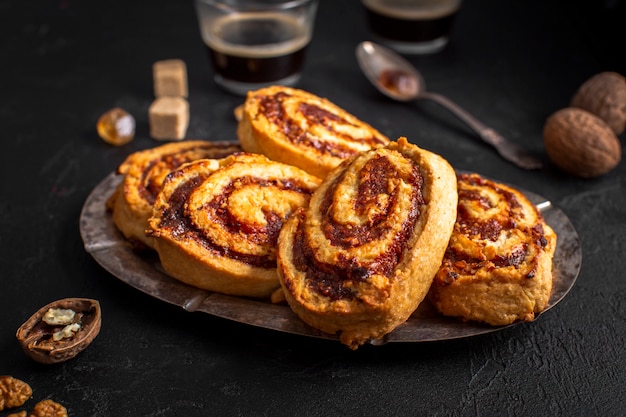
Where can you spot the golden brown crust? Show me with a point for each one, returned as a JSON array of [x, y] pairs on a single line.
[[301, 129], [498, 265], [216, 222], [144, 173], [361, 257]]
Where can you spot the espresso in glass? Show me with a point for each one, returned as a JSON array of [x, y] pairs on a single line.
[[253, 45], [412, 26], [255, 49]]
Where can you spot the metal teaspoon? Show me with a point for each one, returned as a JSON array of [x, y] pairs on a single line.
[[396, 78]]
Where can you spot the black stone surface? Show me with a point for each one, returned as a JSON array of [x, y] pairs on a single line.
[[511, 63]]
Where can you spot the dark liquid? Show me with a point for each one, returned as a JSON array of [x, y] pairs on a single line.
[[257, 70], [258, 49], [410, 30]]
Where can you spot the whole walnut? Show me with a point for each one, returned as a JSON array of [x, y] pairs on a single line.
[[581, 143], [604, 95]]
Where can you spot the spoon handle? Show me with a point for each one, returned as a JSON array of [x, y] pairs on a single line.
[[508, 150]]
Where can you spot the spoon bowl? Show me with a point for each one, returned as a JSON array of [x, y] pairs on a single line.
[[399, 80], [391, 74]]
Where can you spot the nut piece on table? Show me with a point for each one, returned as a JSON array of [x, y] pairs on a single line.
[[13, 392], [604, 95], [48, 408], [18, 414], [170, 78], [53, 334], [581, 143], [169, 118], [238, 112]]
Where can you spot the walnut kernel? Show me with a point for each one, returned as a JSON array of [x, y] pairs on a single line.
[[59, 316], [48, 408], [13, 392]]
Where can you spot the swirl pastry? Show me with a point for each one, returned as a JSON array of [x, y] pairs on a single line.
[[144, 172], [498, 266], [299, 128], [361, 257], [216, 222]]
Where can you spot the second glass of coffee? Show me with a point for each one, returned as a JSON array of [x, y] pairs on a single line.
[[256, 43], [412, 26]]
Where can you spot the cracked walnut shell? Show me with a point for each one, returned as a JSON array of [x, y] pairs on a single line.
[[60, 330]]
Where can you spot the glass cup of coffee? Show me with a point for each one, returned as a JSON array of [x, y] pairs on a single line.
[[256, 43], [412, 26]]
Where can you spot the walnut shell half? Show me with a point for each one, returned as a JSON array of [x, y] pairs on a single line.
[[604, 95], [581, 143], [60, 330]]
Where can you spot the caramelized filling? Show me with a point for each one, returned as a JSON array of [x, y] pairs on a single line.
[[272, 108], [153, 174], [267, 235], [182, 227], [457, 262], [335, 280]]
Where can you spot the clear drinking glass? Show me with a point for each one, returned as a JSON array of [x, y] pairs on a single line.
[[256, 43], [412, 26]]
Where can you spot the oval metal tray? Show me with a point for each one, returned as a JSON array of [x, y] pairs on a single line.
[[143, 272]]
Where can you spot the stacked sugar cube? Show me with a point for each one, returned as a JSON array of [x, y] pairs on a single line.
[[169, 112]]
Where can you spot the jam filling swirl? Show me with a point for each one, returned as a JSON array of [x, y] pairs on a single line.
[[493, 217], [154, 171], [366, 230], [216, 218], [335, 141]]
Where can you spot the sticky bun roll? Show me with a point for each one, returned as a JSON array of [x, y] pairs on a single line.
[[360, 259], [498, 265], [144, 173], [299, 128], [216, 222]]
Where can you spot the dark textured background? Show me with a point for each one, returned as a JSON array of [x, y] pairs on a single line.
[[512, 63]]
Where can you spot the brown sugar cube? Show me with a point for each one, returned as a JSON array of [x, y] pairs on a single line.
[[170, 78], [169, 118]]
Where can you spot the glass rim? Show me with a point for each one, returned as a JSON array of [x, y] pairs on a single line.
[[258, 5]]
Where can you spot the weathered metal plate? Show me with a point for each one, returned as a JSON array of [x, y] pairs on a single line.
[[143, 271]]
